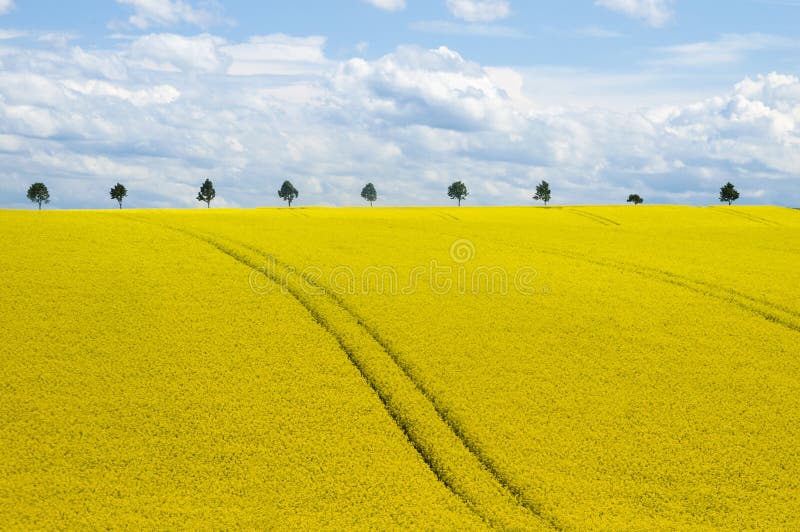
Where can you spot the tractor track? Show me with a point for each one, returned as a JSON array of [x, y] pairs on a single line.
[[773, 312], [452, 457], [441, 410], [748, 216], [594, 217]]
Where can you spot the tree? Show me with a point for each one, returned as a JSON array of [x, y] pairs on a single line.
[[728, 193], [38, 193], [207, 192], [543, 192], [636, 199], [118, 192], [369, 194], [458, 191], [288, 192]]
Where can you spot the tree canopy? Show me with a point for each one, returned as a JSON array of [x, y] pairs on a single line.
[[542, 192], [288, 193], [207, 192], [458, 191], [636, 199], [369, 193], [118, 192], [38, 193], [728, 193]]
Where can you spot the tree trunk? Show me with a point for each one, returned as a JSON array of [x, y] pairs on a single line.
[[208, 204], [40, 205], [459, 202]]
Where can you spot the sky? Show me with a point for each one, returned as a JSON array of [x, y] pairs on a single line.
[[668, 99]]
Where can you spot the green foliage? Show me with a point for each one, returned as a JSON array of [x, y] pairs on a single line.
[[369, 193], [38, 193], [288, 192], [118, 192], [458, 191], [543, 192], [636, 199], [728, 193], [207, 192]]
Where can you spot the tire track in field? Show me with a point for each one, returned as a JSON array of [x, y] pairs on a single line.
[[446, 215], [440, 409], [594, 217], [748, 216], [773, 312], [447, 455], [777, 307]]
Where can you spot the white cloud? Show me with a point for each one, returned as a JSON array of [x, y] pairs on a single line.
[[172, 53], [388, 5], [107, 65], [437, 88], [160, 94], [409, 121], [276, 54], [60, 39], [12, 34], [148, 13], [729, 48], [597, 32], [6, 6], [755, 125], [479, 10], [655, 13]]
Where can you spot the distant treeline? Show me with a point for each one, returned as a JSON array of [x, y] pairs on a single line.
[[458, 191]]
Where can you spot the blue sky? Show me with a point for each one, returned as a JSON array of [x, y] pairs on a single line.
[[602, 98]]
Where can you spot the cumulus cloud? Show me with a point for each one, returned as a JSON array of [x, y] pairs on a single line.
[[174, 53], [276, 54], [260, 55], [655, 13], [756, 125], [160, 94], [388, 5], [438, 88], [479, 10], [6, 6], [161, 112], [148, 13]]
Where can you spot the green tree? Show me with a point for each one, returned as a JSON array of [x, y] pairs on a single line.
[[369, 193], [542, 192], [288, 192], [458, 191], [38, 193], [207, 192], [728, 193], [636, 199], [118, 192]]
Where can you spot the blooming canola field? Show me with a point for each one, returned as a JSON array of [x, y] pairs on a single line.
[[539, 368]]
